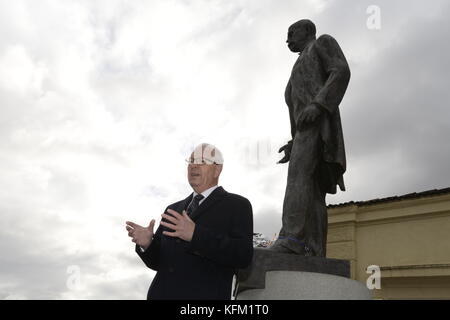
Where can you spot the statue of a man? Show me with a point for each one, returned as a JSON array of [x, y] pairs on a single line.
[[316, 152]]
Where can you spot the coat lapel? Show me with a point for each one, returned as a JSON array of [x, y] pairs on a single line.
[[184, 204], [215, 196]]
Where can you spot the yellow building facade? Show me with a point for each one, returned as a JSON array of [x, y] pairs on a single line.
[[406, 237]]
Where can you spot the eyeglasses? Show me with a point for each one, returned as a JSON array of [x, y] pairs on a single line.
[[199, 161]]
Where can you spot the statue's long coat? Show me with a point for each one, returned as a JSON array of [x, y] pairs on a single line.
[[320, 76]]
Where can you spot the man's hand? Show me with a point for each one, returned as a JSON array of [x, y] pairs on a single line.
[[309, 114], [182, 225], [140, 235], [287, 152]]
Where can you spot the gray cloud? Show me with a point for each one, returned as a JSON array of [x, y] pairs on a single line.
[[397, 118]]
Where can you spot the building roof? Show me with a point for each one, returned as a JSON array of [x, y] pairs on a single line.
[[413, 195]]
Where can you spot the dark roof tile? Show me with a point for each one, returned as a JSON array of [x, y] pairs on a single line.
[[412, 195]]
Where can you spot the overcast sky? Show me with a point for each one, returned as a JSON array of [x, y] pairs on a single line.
[[101, 102]]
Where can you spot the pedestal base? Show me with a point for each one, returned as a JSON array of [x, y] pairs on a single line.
[[299, 285]]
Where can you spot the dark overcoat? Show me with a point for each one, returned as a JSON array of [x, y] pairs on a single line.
[[204, 267]]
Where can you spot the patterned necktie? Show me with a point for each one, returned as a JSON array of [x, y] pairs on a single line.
[[194, 204]]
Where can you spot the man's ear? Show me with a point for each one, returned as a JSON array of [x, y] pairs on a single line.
[[218, 170]]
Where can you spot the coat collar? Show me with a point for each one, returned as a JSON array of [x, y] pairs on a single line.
[[215, 196]]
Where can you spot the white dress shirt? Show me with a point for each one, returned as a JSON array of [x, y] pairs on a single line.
[[205, 194]]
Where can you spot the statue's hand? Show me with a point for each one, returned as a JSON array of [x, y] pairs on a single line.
[[310, 114], [287, 152]]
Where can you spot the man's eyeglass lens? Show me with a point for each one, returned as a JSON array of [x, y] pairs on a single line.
[[199, 161]]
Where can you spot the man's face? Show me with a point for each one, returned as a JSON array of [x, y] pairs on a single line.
[[297, 39], [203, 176]]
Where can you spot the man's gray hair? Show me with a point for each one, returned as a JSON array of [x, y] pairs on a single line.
[[208, 151]]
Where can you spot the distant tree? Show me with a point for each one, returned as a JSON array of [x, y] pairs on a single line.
[[260, 241]]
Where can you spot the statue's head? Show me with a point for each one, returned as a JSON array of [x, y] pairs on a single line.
[[300, 34]]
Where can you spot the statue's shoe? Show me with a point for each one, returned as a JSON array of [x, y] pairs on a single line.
[[277, 247]]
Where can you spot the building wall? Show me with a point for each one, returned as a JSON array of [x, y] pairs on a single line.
[[408, 239]]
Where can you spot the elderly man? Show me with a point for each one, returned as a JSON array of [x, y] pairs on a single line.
[[316, 154], [201, 240]]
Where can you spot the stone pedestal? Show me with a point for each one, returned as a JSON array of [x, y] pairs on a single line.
[[281, 276], [297, 285]]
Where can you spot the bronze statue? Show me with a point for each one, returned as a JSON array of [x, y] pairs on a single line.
[[316, 152]]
